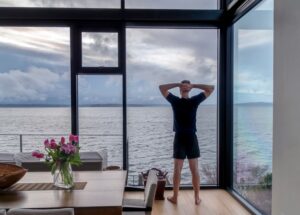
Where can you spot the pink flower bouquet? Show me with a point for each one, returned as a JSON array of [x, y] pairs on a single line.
[[60, 156]]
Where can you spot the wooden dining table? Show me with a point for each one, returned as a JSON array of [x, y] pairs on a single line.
[[102, 194]]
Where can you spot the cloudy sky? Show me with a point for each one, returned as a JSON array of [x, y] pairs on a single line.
[[253, 76], [150, 4], [34, 67]]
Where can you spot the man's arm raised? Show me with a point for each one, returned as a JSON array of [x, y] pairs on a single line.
[[208, 89], [164, 88]]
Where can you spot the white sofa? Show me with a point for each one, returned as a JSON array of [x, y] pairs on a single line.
[[91, 161], [7, 158]]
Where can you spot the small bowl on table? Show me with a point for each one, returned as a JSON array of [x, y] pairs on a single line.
[[10, 174]]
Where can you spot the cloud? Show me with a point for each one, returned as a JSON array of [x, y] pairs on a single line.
[[157, 56], [35, 85], [153, 4], [113, 82], [100, 49], [41, 46], [173, 4], [62, 3], [98, 89], [51, 40], [203, 42], [253, 38], [167, 54], [253, 81], [154, 56], [247, 82], [266, 5]]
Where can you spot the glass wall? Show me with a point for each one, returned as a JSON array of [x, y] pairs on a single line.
[[253, 106], [100, 116], [34, 86], [172, 4], [62, 3], [159, 56], [130, 4]]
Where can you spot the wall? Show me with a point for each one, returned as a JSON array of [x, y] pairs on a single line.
[[286, 148]]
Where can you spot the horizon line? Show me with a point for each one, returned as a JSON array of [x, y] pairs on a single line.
[[119, 105]]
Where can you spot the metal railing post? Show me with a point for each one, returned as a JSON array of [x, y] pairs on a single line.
[[21, 143]]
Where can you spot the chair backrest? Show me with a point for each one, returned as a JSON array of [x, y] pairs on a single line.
[[150, 188], [20, 211], [110, 168], [2, 212]]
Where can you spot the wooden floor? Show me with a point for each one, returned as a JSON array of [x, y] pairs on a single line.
[[214, 202]]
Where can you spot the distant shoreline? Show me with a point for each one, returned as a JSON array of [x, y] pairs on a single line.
[[116, 105]]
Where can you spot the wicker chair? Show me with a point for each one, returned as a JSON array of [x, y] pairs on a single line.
[[62, 211], [149, 194], [10, 174]]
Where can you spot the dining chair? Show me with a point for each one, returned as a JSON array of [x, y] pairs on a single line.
[[112, 168], [21, 211], [149, 194], [2, 212]]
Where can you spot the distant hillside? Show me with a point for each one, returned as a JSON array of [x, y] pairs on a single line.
[[255, 104], [118, 105], [32, 105], [84, 105]]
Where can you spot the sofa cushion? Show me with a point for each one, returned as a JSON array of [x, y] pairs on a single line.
[[7, 158], [90, 156]]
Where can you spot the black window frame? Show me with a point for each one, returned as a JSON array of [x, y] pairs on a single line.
[[78, 20]]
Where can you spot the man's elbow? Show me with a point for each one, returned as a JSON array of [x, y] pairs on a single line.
[[161, 89], [211, 89]]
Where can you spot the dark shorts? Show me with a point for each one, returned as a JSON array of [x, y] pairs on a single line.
[[186, 145]]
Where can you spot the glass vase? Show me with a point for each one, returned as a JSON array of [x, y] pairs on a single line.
[[63, 175]]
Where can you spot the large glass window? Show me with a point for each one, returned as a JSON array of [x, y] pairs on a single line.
[[62, 3], [99, 49], [253, 106], [34, 86], [100, 116], [158, 56], [172, 4]]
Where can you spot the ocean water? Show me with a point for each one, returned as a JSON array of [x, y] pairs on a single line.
[[253, 139], [150, 135]]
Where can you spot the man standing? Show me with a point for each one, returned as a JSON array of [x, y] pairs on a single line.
[[185, 141]]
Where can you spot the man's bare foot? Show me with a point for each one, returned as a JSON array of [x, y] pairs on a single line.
[[172, 199], [197, 201]]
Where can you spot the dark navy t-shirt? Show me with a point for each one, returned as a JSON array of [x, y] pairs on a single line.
[[185, 111]]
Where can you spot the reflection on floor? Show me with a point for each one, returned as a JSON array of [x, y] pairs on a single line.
[[214, 202]]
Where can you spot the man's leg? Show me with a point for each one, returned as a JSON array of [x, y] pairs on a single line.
[[193, 163], [178, 163]]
